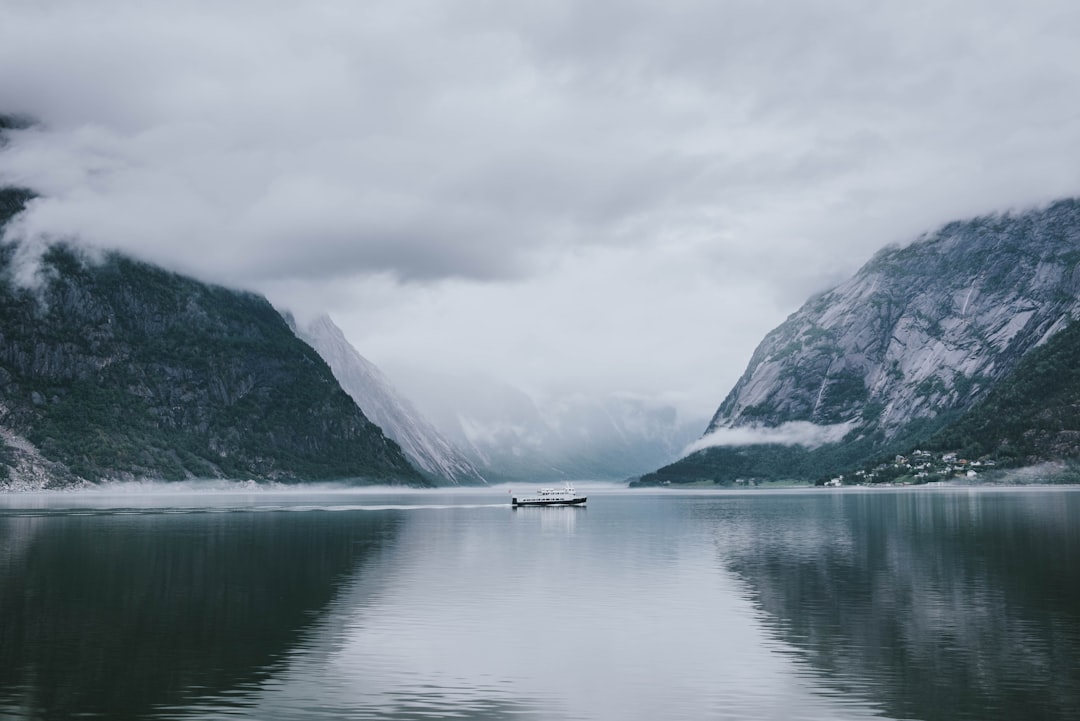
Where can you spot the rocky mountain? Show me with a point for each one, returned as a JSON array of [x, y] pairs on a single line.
[[423, 445], [115, 369], [1030, 418], [902, 349]]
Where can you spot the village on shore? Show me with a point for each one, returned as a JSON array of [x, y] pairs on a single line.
[[918, 468]]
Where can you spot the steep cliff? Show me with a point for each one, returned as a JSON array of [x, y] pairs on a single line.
[[422, 444], [111, 368], [1029, 418], [914, 339]]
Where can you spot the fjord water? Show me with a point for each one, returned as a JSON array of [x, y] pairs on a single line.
[[904, 604]]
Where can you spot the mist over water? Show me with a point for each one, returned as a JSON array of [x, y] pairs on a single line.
[[382, 604]]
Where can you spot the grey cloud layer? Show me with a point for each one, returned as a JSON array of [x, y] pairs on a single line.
[[457, 139], [274, 144]]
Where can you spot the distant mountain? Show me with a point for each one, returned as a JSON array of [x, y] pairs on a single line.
[[900, 351], [512, 437], [115, 369], [422, 444]]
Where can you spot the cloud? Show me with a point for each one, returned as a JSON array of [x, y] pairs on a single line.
[[351, 141], [671, 178], [793, 433]]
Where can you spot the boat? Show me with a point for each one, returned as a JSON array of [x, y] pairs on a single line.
[[565, 496]]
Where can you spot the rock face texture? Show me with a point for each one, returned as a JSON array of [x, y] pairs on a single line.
[[916, 337], [919, 330], [428, 450], [114, 369], [1032, 418]]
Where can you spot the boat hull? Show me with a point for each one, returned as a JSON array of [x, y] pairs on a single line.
[[547, 502]]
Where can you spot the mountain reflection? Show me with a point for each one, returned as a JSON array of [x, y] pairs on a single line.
[[944, 605], [118, 615]]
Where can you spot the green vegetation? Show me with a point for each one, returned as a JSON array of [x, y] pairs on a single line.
[[121, 369], [1031, 416], [843, 391], [760, 463], [12, 201]]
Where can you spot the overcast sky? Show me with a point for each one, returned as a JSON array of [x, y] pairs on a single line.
[[573, 197]]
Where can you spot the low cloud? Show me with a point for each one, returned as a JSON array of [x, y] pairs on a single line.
[[709, 164], [794, 433]]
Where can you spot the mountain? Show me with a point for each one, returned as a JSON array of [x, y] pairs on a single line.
[[901, 350], [422, 444], [513, 437], [114, 369], [1031, 417]]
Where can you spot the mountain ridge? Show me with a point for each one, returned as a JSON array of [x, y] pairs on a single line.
[[512, 436], [427, 449], [900, 350], [114, 369]]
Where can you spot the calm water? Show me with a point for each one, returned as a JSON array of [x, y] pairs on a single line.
[[931, 604]]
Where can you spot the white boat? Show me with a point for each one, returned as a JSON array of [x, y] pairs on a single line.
[[565, 496]]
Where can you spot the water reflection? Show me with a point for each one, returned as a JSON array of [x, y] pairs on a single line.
[[553, 614], [947, 605], [822, 606], [115, 615]]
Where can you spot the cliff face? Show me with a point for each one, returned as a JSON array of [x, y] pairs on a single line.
[[116, 369], [422, 444], [919, 330], [1030, 418], [914, 339]]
